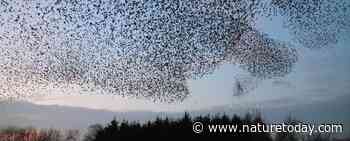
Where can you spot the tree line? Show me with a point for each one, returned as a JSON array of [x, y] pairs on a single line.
[[182, 128], [162, 128]]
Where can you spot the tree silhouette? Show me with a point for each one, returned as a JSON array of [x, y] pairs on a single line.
[[179, 129], [51, 135], [287, 136], [92, 132], [72, 135]]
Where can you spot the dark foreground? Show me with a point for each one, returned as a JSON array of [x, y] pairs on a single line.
[[168, 129]]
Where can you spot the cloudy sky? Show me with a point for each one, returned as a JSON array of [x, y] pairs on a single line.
[[318, 89]]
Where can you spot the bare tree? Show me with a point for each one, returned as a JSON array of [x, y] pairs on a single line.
[[72, 135], [92, 132], [51, 135]]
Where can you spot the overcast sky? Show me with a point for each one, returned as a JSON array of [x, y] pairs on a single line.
[[318, 88]]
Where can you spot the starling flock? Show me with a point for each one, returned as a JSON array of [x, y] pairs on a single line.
[[145, 48]]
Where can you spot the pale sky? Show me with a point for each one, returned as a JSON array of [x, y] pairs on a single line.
[[318, 88]]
